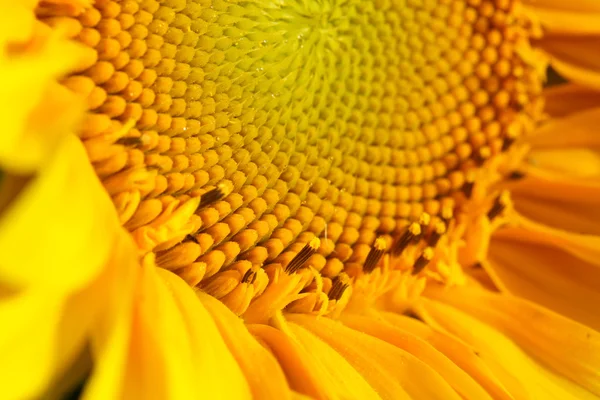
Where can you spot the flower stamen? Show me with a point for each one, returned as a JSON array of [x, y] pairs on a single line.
[[423, 260], [374, 255], [249, 277], [214, 195], [303, 255], [467, 187], [413, 231], [338, 286], [438, 230], [499, 205]]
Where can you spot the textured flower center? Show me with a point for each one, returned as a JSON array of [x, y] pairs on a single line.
[[343, 120]]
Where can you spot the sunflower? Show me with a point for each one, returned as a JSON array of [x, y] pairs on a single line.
[[331, 199]]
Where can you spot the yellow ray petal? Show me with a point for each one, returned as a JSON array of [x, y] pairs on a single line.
[[456, 377], [576, 5], [39, 111], [565, 99], [311, 366], [570, 213], [575, 58], [549, 276], [570, 349], [567, 146], [584, 247], [54, 281], [579, 162], [168, 346], [567, 227], [394, 373], [35, 353], [579, 125], [568, 18], [265, 377], [111, 333], [71, 244], [460, 353]]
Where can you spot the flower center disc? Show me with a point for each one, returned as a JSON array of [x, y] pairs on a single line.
[[340, 119]]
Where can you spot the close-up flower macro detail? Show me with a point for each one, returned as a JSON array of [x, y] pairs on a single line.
[[300, 199]]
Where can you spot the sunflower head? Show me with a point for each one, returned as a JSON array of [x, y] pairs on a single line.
[[233, 135], [350, 194]]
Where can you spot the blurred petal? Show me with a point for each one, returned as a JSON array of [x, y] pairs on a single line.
[[545, 336], [394, 373], [58, 282], [565, 99], [312, 367], [460, 353], [580, 126], [559, 202], [263, 373], [548, 275], [71, 244], [162, 343], [579, 17], [457, 378], [575, 58], [36, 111]]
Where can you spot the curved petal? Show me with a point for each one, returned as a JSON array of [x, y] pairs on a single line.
[[579, 125], [567, 18], [161, 343], [263, 373], [584, 247], [565, 99], [36, 111], [568, 347], [575, 211], [518, 372], [575, 58], [547, 275], [33, 353], [394, 373], [563, 201], [459, 352], [311, 366], [70, 245], [49, 277], [456, 377]]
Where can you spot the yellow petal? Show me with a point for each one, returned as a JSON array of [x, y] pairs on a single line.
[[576, 154], [62, 280], [67, 215], [265, 377], [565, 201], [459, 352], [394, 373], [111, 335], [312, 367], [565, 99], [162, 344], [579, 125], [456, 377], [16, 21], [548, 276], [569, 212], [36, 111], [579, 162], [583, 246], [563, 345], [34, 353], [568, 18], [575, 58]]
